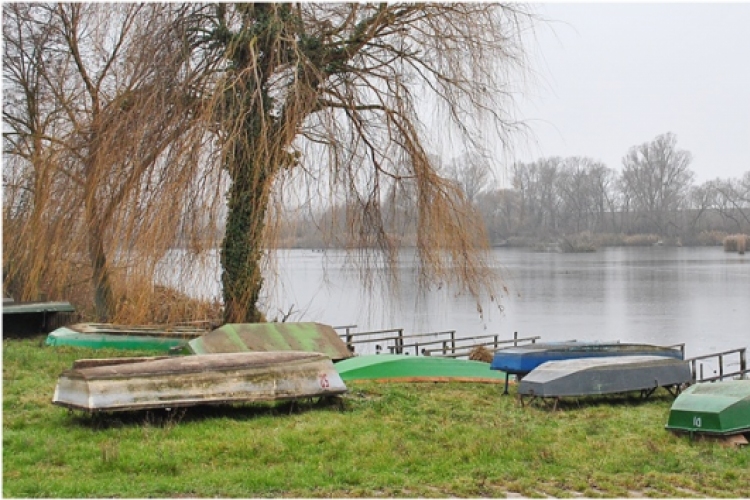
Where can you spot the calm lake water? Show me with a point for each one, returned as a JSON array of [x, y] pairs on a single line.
[[663, 295]]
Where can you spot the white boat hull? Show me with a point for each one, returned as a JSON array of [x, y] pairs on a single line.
[[200, 379]]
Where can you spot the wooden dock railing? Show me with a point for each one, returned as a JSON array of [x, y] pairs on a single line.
[[721, 358]]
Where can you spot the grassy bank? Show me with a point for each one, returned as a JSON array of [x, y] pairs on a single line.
[[428, 440]]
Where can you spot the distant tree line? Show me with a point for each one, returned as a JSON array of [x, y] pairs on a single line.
[[580, 202]]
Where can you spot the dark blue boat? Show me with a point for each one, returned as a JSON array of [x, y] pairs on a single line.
[[523, 359]]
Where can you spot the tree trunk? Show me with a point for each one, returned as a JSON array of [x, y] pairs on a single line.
[[103, 296], [242, 248]]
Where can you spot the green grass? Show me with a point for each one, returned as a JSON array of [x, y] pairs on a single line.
[[404, 440]]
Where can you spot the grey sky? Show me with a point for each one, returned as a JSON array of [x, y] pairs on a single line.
[[612, 76]]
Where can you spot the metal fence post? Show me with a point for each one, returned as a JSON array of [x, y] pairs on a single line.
[[349, 340]]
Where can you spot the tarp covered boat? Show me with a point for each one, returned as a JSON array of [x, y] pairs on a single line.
[[244, 337], [719, 408], [523, 359], [404, 368], [192, 380], [608, 375], [146, 338]]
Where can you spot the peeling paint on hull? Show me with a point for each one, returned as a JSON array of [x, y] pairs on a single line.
[[192, 380], [266, 337]]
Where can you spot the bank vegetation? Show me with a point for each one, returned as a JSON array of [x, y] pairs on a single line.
[[388, 440]]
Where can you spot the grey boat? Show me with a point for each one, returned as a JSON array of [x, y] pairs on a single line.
[[610, 375]]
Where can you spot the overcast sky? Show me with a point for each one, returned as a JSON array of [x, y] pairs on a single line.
[[611, 76]]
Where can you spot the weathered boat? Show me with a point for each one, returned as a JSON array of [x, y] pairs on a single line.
[[608, 375], [719, 408], [31, 318], [145, 338], [523, 359], [243, 337], [404, 368], [192, 380]]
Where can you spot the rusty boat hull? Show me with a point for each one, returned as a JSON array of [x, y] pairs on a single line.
[[197, 380]]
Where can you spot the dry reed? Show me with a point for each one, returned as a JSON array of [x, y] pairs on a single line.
[[736, 243]]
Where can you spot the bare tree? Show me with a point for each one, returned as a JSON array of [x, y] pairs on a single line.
[[331, 91], [540, 196], [473, 174], [140, 101], [656, 176], [99, 114], [732, 200]]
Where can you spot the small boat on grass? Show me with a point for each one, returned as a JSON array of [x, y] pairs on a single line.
[[608, 375], [244, 337], [149, 383], [145, 338], [22, 319], [719, 408], [404, 368], [523, 359]]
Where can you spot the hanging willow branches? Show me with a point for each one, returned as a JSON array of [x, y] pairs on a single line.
[[342, 99]]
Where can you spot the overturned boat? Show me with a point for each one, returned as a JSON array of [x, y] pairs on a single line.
[[244, 337], [23, 319], [148, 383], [144, 338], [523, 359], [608, 375], [719, 408], [404, 368]]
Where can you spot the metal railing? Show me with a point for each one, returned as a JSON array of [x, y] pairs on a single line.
[[721, 358], [396, 341]]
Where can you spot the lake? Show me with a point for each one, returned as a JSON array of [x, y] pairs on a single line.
[[663, 295]]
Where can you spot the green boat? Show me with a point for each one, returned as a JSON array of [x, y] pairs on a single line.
[[266, 337], [720, 408], [141, 338], [404, 368]]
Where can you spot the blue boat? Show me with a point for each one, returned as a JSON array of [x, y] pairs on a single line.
[[522, 360]]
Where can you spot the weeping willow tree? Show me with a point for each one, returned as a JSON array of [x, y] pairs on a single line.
[[128, 123], [101, 150], [347, 94]]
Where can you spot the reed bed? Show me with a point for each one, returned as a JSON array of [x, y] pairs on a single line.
[[736, 243]]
